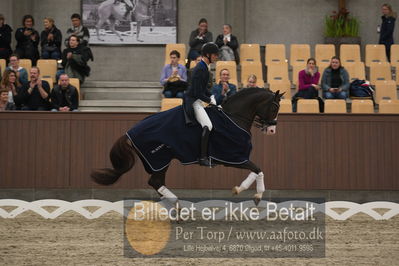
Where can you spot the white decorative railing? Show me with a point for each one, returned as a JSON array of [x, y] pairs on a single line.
[[104, 207]]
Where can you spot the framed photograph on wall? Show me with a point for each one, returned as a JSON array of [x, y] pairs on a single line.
[[121, 22]]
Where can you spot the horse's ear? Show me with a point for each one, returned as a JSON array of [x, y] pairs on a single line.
[[276, 94], [282, 94]]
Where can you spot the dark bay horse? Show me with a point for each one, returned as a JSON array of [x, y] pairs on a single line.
[[247, 107]]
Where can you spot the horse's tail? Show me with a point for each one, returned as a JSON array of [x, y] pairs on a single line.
[[122, 159]]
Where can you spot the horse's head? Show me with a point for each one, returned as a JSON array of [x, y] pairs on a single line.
[[266, 113]]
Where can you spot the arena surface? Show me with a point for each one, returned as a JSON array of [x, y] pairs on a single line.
[[71, 239]]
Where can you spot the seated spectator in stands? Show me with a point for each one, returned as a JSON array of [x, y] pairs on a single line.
[[78, 30], [174, 77], [5, 104], [223, 89], [74, 59], [11, 84], [335, 81], [251, 81], [51, 39], [22, 74], [308, 88], [5, 39], [34, 95], [228, 45], [198, 38], [27, 40], [64, 97]]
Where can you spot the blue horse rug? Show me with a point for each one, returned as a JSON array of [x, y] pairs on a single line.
[[164, 136]]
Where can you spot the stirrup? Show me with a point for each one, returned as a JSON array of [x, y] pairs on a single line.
[[205, 161]]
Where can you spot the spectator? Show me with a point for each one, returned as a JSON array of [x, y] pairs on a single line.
[[198, 38], [22, 74], [11, 84], [308, 88], [5, 39], [34, 95], [223, 89], [51, 39], [78, 30], [174, 77], [335, 81], [387, 28], [74, 59], [27, 40], [5, 104], [251, 81], [228, 45], [64, 97]]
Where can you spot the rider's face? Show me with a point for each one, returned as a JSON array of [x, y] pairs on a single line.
[[214, 58]]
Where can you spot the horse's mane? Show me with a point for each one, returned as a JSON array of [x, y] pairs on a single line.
[[261, 92]]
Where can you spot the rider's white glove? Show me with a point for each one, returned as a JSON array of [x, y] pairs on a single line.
[[213, 101]]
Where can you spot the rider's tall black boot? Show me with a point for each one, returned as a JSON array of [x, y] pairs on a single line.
[[204, 159]]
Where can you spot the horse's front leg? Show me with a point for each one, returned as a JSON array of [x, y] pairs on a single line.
[[255, 175]]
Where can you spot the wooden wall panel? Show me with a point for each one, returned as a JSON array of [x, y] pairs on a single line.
[[309, 151]]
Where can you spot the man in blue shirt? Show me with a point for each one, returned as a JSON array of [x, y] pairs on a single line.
[[223, 89], [174, 77]]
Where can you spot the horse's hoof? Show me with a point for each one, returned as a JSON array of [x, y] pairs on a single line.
[[257, 198], [235, 190]]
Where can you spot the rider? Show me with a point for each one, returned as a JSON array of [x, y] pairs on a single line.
[[128, 4], [199, 93]]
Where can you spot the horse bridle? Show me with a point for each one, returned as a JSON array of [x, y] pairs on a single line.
[[263, 124]]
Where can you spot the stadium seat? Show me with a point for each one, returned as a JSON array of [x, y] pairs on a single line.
[[282, 86], [252, 68], [3, 66], [395, 60], [300, 53], [350, 53], [324, 53], [356, 71], [295, 72], [362, 106], [249, 52], [308, 106], [334, 106], [26, 63], [275, 54], [169, 103], [75, 82], [389, 107], [180, 47], [375, 53], [385, 89], [277, 73], [48, 68], [285, 106], [231, 66], [380, 71], [50, 82]]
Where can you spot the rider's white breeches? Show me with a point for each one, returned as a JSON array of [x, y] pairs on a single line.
[[201, 116]]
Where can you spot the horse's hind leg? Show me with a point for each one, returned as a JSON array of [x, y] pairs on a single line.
[[112, 26], [255, 175], [157, 181]]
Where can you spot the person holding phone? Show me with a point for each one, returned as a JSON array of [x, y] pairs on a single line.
[[335, 80]]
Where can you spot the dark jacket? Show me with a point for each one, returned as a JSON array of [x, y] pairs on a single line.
[[233, 44], [196, 43], [197, 90], [34, 100], [76, 67], [387, 28], [217, 92], [56, 43], [327, 75], [5, 39], [25, 42], [67, 97]]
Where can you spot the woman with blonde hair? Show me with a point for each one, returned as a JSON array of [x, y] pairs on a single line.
[[251, 81], [51, 39], [387, 28]]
